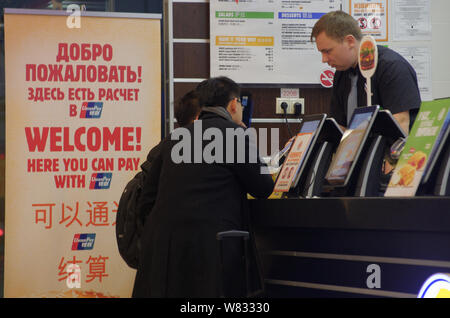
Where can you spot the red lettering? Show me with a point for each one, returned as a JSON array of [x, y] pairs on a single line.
[[93, 138], [55, 138], [127, 138], [112, 139], [72, 110], [35, 139], [43, 165]]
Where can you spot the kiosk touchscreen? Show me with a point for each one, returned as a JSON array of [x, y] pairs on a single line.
[[278, 159], [351, 145], [385, 132], [311, 124], [299, 153], [312, 178]]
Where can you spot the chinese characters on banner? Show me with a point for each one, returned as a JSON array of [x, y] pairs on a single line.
[[83, 110], [372, 16]]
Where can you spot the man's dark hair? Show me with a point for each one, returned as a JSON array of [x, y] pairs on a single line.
[[187, 109], [217, 91]]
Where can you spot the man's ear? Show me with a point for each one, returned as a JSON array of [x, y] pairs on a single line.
[[232, 106], [350, 40]]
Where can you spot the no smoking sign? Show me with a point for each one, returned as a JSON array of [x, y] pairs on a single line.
[[326, 78]]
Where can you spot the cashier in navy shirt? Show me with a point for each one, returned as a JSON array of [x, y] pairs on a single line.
[[394, 84]]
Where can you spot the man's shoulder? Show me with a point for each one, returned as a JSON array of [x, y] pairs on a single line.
[[214, 120], [391, 62], [387, 56]]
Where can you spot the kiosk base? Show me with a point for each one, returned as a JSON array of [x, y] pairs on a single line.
[[442, 187], [368, 184]]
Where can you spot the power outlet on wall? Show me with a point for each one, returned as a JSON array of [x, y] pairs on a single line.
[[300, 101], [290, 105], [279, 110]]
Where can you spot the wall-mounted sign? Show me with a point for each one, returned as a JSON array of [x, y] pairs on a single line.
[[266, 41], [372, 16]]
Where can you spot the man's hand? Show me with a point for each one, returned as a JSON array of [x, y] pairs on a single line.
[[403, 120], [242, 125]]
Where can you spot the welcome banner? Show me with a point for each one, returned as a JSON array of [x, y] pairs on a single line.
[[83, 108]]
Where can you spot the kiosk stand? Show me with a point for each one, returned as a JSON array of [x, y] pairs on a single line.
[[360, 175], [311, 183], [299, 154], [385, 131]]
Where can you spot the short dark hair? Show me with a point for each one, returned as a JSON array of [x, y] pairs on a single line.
[[217, 91], [337, 25], [187, 109]]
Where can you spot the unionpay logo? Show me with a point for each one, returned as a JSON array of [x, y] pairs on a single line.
[[100, 180], [82, 242], [91, 110]]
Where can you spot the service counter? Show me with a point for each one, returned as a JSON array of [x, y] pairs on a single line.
[[351, 247]]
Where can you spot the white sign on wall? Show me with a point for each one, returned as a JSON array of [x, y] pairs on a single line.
[[372, 16], [266, 41]]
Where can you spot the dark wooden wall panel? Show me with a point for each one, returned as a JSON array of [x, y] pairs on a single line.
[[182, 88], [264, 100], [191, 60], [191, 20]]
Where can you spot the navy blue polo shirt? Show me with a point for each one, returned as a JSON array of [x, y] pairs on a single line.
[[394, 87]]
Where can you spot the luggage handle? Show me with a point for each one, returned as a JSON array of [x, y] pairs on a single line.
[[233, 233], [245, 236]]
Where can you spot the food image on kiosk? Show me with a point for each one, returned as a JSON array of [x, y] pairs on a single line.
[[299, 153], [418, 165], [351, 145], [293, 162]]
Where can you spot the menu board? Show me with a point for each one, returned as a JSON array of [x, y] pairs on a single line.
[[418, 149], [266, 41]]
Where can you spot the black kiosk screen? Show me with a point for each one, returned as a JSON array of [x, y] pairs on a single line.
[[350, 146], [295, 158]]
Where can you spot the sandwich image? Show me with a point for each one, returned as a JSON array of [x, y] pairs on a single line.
[[367, 55], [404, 176], [418, 160]]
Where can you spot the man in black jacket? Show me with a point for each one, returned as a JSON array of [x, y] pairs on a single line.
[[196, 198]]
